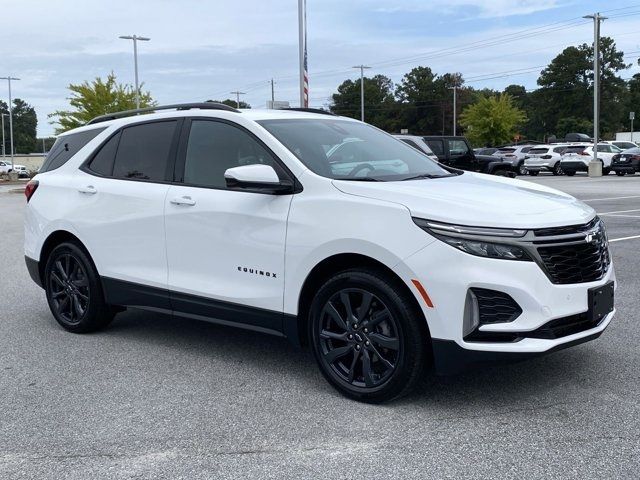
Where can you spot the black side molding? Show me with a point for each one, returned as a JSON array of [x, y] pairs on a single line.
[[33, 267], [451, 359]]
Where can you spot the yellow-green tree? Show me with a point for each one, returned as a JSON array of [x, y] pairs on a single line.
[[99, 97], [492, 120]]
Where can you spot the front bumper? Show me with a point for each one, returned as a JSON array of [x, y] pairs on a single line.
[[447, 274]]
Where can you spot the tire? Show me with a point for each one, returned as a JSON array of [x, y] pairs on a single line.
[[620, 173], [74, 291], [522, 170], [570, 173], [501, 173], [557, 169], [388, 339], [533, 173]]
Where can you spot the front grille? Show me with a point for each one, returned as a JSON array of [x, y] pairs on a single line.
[[562, 327], [575, 260], [495, 307], [568, 230]]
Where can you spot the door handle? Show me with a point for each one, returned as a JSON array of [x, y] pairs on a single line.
[[186, 200], [89, 190]]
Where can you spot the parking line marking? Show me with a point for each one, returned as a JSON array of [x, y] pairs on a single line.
[[624, 238], [608, 198], [619, 211], [626, 216]]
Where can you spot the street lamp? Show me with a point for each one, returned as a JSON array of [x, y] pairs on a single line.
[[8, 79], [4, 154], [361, 67], [135, 39]]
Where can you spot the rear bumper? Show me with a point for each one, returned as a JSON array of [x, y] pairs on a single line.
[[575, 166], [33, 267], [623, 168]]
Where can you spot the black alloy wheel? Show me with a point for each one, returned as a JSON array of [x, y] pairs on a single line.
[[74, 291], [557, 169], [359, 338], [69, 288], [368, 335]]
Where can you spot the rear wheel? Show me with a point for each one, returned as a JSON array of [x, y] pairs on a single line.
[[570, 173], [534, 173], [367, 335], [522, 170], [557, 170], [620, 173], [74, 291]]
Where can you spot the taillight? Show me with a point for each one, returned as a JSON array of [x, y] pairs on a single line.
[[615, 157], [30, 189], [585, 153]]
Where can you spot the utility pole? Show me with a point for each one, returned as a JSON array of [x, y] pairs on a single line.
[[8, 79], [595, 167], [302, 47], [44, 148], [454, 88], [4, 154], [361, 67], [135, 39], [237, 94], [632, 117], [273, 94]]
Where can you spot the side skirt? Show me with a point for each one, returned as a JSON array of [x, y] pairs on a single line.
[[128, 294]]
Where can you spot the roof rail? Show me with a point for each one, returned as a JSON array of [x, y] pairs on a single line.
[[309, 110], [176, 106]]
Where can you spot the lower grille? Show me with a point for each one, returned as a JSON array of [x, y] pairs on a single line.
[[562, 327], [495, 307]]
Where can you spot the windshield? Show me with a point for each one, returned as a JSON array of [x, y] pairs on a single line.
[[347, 150]]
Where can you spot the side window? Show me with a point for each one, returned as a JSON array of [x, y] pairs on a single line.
[[143, 152], [604, 148], [66, 147], [436, 146], [213, 147], [102, 162], [411, 143], [458, 147]]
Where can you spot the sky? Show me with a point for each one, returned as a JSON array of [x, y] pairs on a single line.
[[203, 50]]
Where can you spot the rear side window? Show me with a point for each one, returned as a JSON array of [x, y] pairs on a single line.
[[436, 146], [143, 151], [102, 162], [66, 147], [538, 151], [559, 149], [575, 149], [458, 147]]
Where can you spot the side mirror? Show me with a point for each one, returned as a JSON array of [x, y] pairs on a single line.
[[257, 178]]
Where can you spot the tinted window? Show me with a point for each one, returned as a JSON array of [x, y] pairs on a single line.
[[538, 151], [411, 143], [458, 147], [67, 146], [507, 150], [143, 151], [604, 148], [214, 147], [559, 149], [579, 149], [525, 149], [102, 163], [436, 146]]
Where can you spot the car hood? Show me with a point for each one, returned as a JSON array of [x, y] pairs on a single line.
[[478, 199]]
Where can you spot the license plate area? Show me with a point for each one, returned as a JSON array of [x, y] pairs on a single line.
[[600, 302]]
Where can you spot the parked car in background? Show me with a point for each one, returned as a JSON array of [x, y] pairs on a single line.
[[456, 152], [544, 158], [5, 167], [576, 158], [577, 138], [515, 156], [627, 161], [622, 145], [485, 151], [418, 143]]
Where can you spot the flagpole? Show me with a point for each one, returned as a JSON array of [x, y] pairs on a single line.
[[302, 46]]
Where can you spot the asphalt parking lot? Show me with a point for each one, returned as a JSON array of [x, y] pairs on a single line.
[[156, 397]]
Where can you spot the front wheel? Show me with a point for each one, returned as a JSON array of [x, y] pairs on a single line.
[[74, 291], [367, 336], [620, 173], [522, 170], [557, 170]]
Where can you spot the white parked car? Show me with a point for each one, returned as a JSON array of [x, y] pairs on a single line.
[[622, 145], [576, 158], [544, 158], [5, 167], [418, 143], [515, 155], [382, 261]]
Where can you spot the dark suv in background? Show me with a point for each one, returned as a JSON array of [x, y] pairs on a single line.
[[455, 152]]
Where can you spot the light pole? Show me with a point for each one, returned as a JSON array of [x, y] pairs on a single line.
[[8, 79], [454, 88], [361, 67], [135, 39], [4, 154], [237, 94], [594, 171], [632, 117]]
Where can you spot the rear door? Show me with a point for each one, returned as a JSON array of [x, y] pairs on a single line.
[[461, 156], [122, 192], [225, 248]]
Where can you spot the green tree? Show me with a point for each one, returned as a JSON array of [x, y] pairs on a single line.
[[380, 105], [99, 97], [492, 120], [232, 103], [25, 123]]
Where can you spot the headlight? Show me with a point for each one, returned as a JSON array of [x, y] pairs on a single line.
[[462, 238]]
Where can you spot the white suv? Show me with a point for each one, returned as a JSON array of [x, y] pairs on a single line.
[[544, 158], [576, 158], [383, 262]]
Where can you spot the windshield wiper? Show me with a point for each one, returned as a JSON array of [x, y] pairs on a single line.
[[361, 179], [428, 175]]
